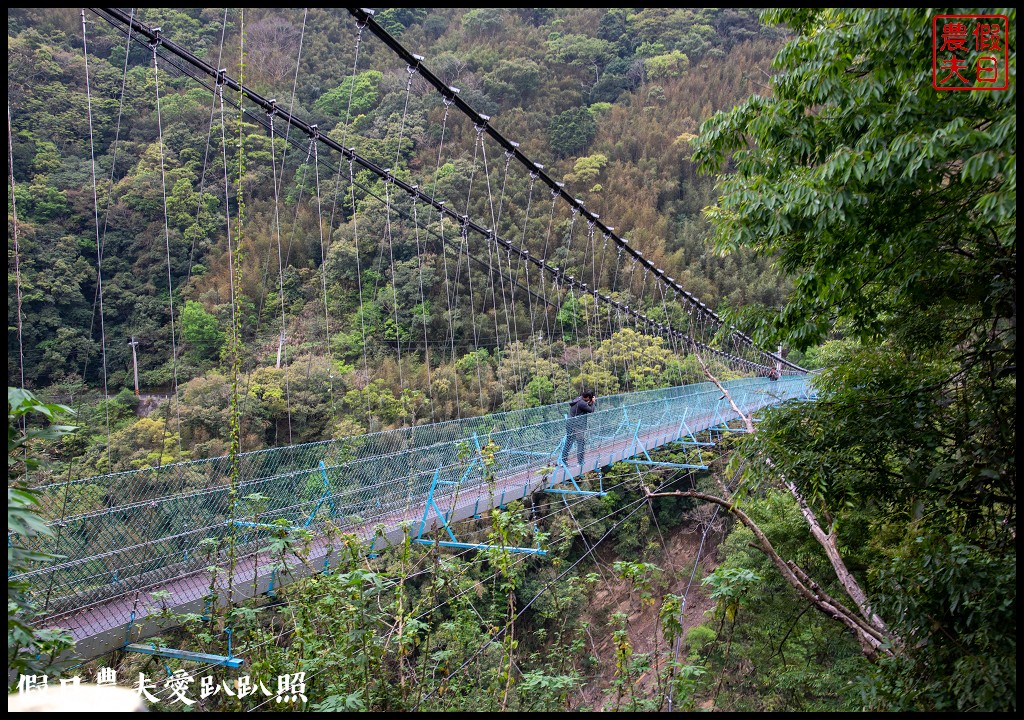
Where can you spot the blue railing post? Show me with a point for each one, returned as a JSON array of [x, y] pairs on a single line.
[[327, 490], [430, 501]]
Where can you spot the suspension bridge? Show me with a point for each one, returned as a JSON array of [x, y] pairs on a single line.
[[507, 281]]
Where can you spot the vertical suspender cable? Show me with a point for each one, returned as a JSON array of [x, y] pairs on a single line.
[[99, 253], [235, 323], [355, 209], [344, 137], [518, 359], [448, 290], [209, 134], [526, 265], [236, 358], [490, 253], [103, 234], [17, 250], [359, 285], [544, 259], [444, 256], [423, 307], [491, 240], [167, 243], [394, 287], [388, 188], [291, 104], [324, 248], [586, 316], [464, 244], [570, 296], [282, 340]]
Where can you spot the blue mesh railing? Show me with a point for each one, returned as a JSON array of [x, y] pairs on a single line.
[[131, 531]]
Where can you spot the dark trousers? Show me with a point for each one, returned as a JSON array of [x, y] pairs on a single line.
[[577, 437]]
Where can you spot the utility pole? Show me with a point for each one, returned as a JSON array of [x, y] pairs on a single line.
[[135, 363]]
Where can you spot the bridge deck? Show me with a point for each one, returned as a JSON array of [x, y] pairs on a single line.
[[525, 461]]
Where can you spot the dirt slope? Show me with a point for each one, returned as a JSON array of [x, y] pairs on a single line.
[[682, 547]]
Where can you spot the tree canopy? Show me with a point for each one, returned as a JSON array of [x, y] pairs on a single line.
[[888, 200], [893, 205]]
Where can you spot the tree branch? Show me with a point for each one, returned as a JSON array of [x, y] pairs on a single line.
[[746, 419], [828, 542], [873, 642]]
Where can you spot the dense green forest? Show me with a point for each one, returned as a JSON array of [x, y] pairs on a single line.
[[591, 95], [797, 171]]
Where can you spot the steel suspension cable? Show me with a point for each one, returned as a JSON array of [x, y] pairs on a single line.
[[444, 258], [110, 190], [517, 346], [235, 321], [599, 277], [490, 256], [523, 264], [512, 291], [591, 335], [278, 186], [291, 102], [464, 245], [330, 228], [464, 234], [613, 312], [450, 97], [544, 259], [235, 432], [448, 294], [492, 269], [570, 295], [672, 338], [462, 219], [411, 72], [96, 292], [364, 16]]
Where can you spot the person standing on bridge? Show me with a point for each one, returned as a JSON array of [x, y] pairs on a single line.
[[576, 425]]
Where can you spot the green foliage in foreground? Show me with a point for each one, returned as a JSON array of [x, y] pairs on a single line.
[[29, 650], [417, 627], [768, 650]]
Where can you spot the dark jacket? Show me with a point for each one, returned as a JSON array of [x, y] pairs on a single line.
[[578, 411]]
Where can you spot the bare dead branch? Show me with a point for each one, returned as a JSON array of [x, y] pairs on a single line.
[[873, 642], [746, 418]]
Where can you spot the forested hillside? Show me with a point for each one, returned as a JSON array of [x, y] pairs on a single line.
[[608, 100], [798, 172]]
